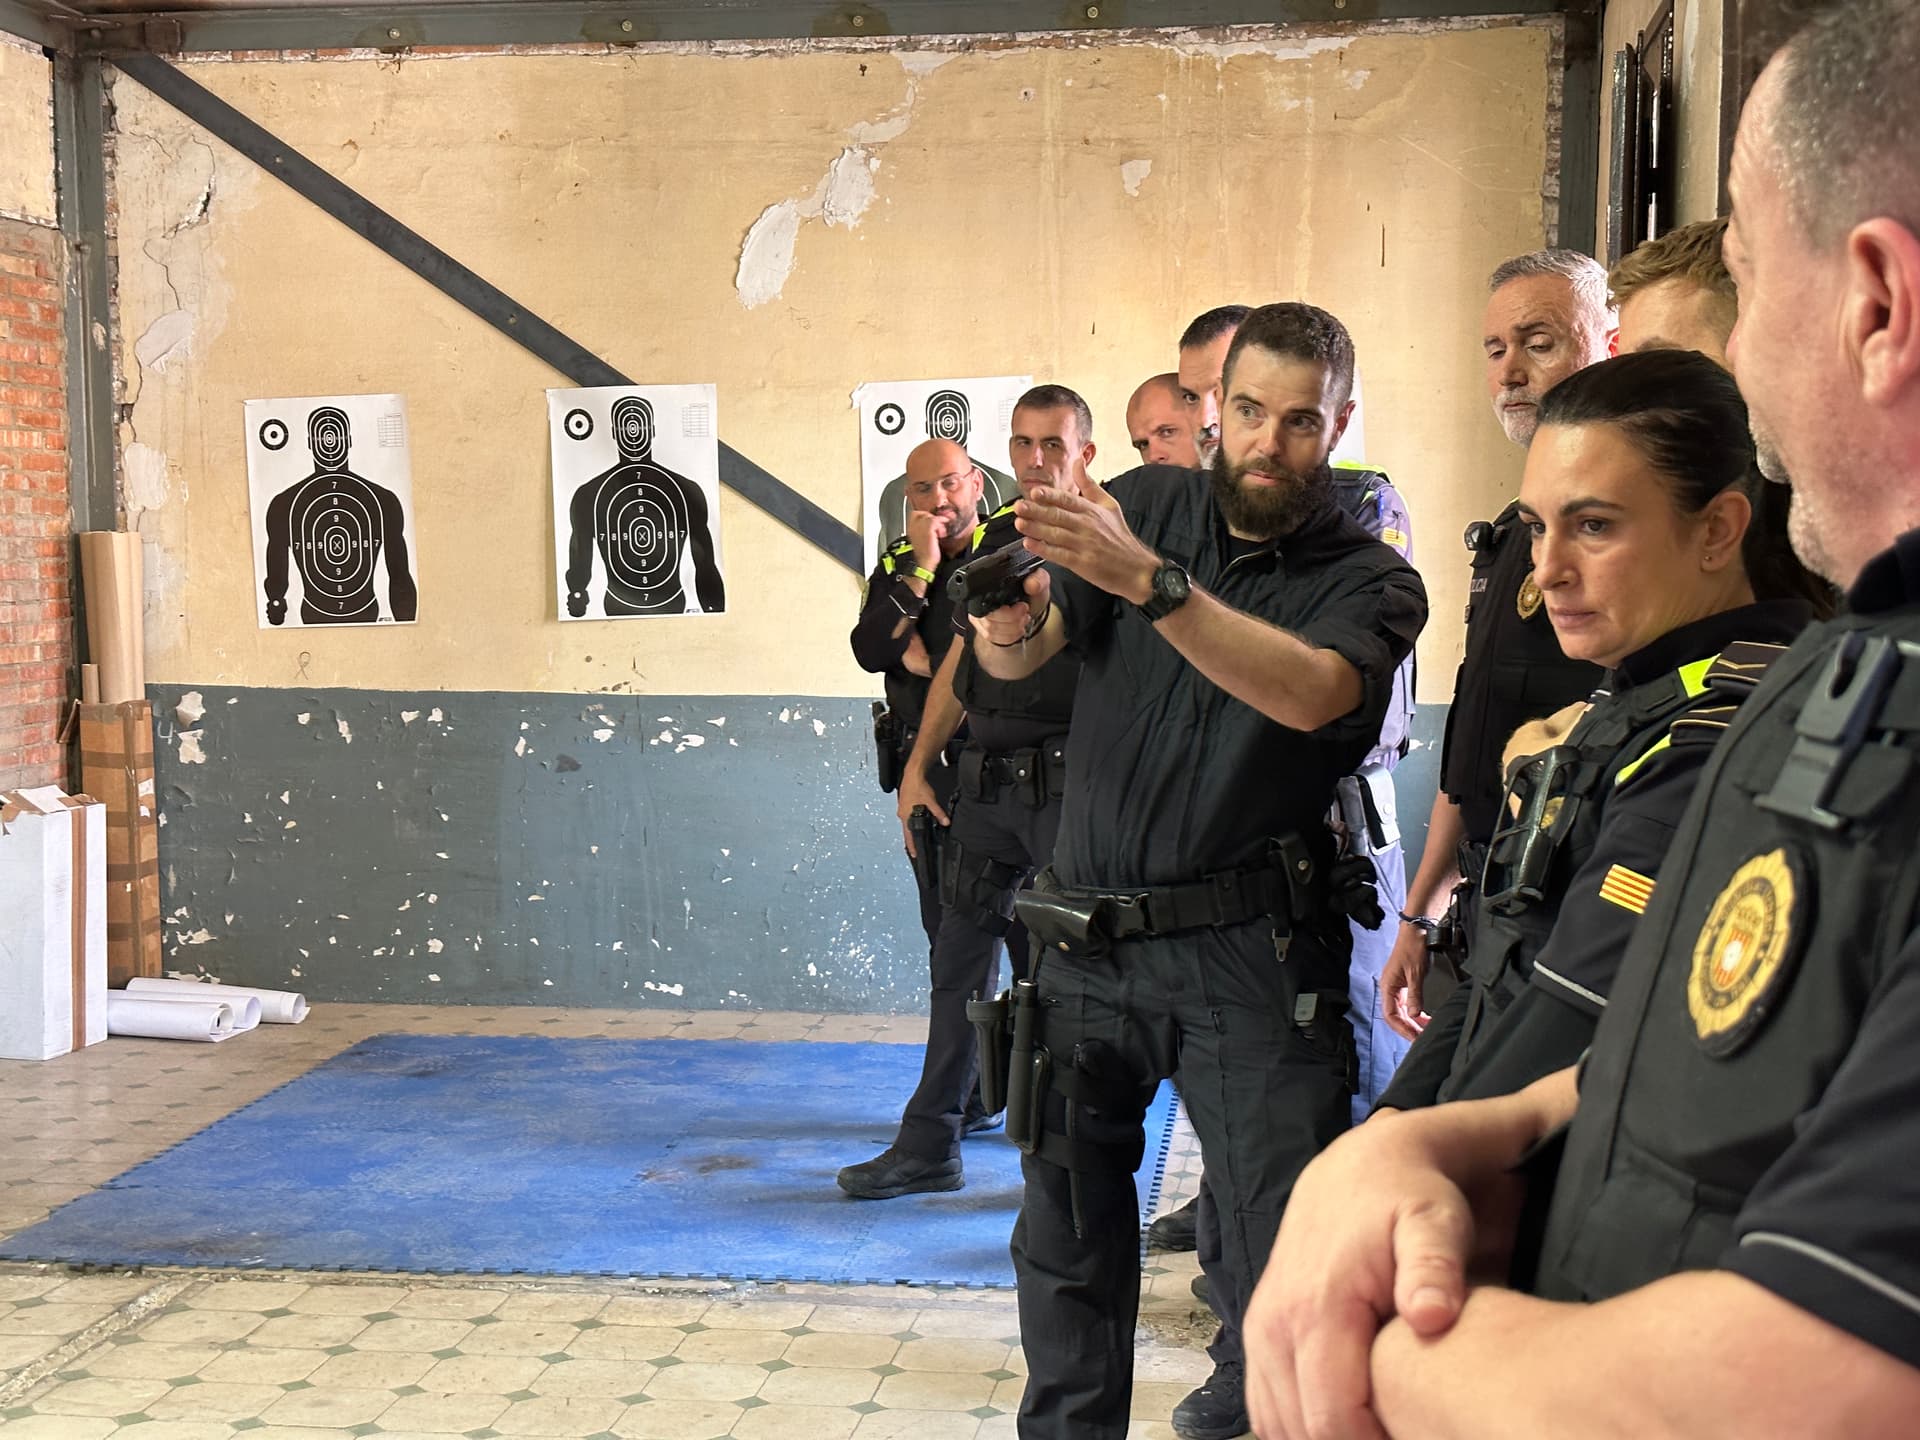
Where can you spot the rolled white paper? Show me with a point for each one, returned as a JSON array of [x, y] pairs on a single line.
[[277, 1007], [244, 1004], [167, 1020]]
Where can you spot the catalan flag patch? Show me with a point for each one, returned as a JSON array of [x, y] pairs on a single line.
[[1628, 889]]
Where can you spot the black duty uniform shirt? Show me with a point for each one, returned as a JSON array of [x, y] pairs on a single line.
[[1170, 778], [1752, 1098], [888, 600]]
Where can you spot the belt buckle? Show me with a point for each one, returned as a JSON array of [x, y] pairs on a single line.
[[1127, 915]]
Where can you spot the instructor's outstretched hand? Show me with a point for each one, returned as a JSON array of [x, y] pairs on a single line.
[[1089, 535]]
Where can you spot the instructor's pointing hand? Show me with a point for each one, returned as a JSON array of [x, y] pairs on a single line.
[[1089, 535]]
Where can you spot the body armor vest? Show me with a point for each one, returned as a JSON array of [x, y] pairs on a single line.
[[1555, 808], [1793, 885]]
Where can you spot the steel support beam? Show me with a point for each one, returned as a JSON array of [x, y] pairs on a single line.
[[36, 27], [470, 290], [527, 22], [79, 128]]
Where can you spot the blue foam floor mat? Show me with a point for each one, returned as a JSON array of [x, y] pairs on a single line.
[[459, 1154]]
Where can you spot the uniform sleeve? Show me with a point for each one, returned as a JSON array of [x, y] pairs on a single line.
[[1373, 630], [1396, 526], [887, 602], [1536, 1036], [1834, 1225], [1608, 894]]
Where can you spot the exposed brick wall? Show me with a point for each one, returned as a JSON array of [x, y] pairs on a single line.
[[36, 518]]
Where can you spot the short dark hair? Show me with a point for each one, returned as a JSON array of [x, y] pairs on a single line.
[[1690, 253], [1053, 397], [1848, 119], [1684, 414], [1210, 326], [1297, 332]]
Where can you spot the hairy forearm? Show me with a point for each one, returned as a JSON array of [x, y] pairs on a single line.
[[1277, 673], [1706, 1355], [1439, 861]]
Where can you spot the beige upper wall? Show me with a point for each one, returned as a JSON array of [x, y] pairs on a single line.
[[1696, 73], [1379, 174], [26, 133]]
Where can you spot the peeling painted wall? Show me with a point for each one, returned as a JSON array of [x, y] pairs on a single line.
[[500, 847], [1062, 209], [483, 848], [787, 223], [26, 132]]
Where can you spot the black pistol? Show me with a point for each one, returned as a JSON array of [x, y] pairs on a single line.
[[993, 581]]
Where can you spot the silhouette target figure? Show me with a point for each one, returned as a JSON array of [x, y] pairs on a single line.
[[642, 518], [335, 525], [949, 417]]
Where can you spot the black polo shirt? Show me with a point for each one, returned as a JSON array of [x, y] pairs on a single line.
[[888, 599], [1169, 778], [1513, 672]]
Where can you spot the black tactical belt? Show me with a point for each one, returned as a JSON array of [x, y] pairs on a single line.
[[1231, 898]]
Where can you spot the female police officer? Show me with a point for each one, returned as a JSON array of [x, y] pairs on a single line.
[[1661, 554]]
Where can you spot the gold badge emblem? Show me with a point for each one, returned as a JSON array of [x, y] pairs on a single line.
[[1527, 602], [1744, 952]]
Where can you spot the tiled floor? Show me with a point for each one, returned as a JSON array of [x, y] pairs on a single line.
[[197, 1355]]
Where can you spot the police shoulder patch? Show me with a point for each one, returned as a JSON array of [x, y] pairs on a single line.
[[1527, 602], [1628, 889], [1746, 950]]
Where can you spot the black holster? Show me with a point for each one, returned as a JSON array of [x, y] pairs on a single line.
[[1074, 926], [925, 833], [992, 1022], [886, 746], [1028, 1068]]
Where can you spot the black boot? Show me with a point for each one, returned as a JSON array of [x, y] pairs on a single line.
[[1218, 1409], [895, 1172], [1174, 1230]]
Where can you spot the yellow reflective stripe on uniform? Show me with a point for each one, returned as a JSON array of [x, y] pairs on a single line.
[[980, 530], [1628, 889], [1632, 767], [1693, 680]]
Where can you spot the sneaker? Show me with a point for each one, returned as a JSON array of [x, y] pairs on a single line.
[[1174, 1230], [1218, 1409], [894, 1172]]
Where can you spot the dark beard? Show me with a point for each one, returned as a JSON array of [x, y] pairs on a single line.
[[1266, 513]]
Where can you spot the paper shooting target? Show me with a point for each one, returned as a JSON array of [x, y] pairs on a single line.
[[636, 502], [331, 484]]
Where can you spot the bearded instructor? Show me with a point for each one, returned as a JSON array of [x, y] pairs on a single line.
[[1240, 637]]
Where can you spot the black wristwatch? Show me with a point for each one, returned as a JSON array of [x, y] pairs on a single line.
[[1171, 587]]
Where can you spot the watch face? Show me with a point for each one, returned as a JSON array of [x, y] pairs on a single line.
[[1173, 582]]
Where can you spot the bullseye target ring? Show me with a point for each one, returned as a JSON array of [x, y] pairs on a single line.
[[948, 416], [273, 434], [578, 425], [328, 436], [889, 419], [642, 527], [337, 536], [633, 426]]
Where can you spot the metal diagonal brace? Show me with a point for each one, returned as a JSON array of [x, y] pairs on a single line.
[[463, 286]]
